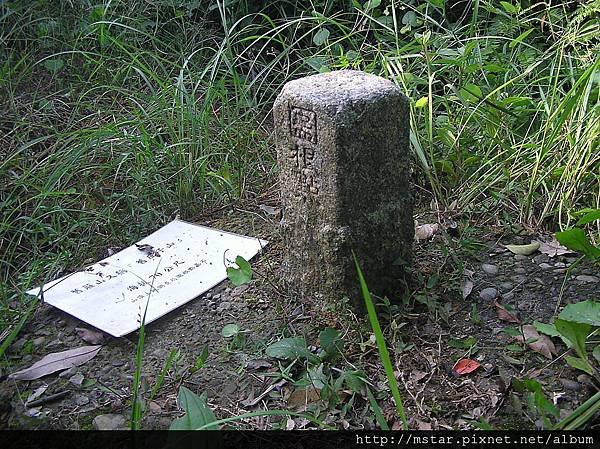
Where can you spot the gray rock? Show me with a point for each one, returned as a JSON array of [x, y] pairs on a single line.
[[224, 306], [69, 372], [520, 270], [584, 379], [488, 294], [81, 400], [336, 133], [76, 379], [560, 265], [570, 384], [109, 422], [39, 341], [541, 258], [117, 362], [506, 286], [239, 290], [508, 296], [545, 266], [521, 257], [490, 269], [587, 278]]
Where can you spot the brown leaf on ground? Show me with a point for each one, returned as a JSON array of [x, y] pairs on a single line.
[[426, 231], [504, 314], [465, 366], [422, 425], [57, 361], [90, 336], [302, 397], [539, 343], [553, 248]]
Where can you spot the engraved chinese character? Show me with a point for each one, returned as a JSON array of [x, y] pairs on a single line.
[[303, 124]]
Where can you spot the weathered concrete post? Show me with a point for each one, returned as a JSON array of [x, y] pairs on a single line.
[[343, 154]]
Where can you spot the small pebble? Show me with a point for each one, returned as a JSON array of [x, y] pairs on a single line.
[[109, 422], [117, 362], [584, 379], [570, 384], [490, 269], [39, 341], [520, 270], [488, 294], [541, 258], [225, 305], [545, 266], [81, 400], [69, 372], [521, 257], [506, 286], [560, 265], [76, 379], [587, 278], [508, 296]]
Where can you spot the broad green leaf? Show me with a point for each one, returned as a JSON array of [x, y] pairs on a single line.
[[372, 4], [54, 65], [421, 102], [291, 349], [586, 312], [580, 364], [330, 341], [590, 216], [242, 274], [317, 377], [548, 329], [470, 93], [576, 333], [510, 8], [197, 412], [230, 330], [354, 381], [410, 18], [321, 36], [596, 353], [576, 240], [521, 37]]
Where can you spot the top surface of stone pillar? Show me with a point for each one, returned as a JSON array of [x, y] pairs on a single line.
[[343, 155], [340, 88]]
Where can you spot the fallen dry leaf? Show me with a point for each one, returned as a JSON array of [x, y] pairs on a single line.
[[258, 363], [302, 397], [57, 361], [524, 250], [426, 231], [268, 209], [36, 394], [504, 314], [290, 424], [553, 248], [539, 343], [465, 366], [90, 336], [422, 425], [467, 288]]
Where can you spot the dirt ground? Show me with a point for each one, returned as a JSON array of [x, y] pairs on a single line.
[[426, 335]]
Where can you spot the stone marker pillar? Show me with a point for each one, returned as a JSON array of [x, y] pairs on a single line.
[[343, 155]]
